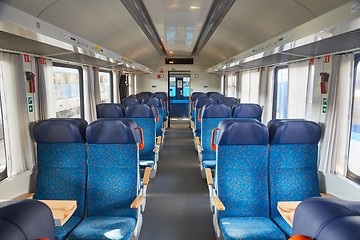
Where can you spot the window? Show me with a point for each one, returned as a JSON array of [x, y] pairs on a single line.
[[281, 89], [354, 147], [231, 85], [68, 91], [3, 170], [105, 81]]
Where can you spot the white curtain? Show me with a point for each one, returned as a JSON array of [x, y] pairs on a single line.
[[19, 154], [91, 93], [245, 86], [249, 88], [116, 87], [336, 126], [298, 79], [269, 75], [46, 89]]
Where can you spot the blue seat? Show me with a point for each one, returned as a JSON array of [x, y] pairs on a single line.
[[144, 117], [216, 96], [228, 101], [110, 110], [142, 95], [331, 219], [292, 164], [194, 96], [26, 219], [113, 182], [61, 157], [247, 110], [156, 103], [129, 101], [163, 96], [210, 93], [199, 104], [212, 114], [241, 182]]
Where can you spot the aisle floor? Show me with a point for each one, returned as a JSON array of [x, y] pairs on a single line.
[[177, 205]]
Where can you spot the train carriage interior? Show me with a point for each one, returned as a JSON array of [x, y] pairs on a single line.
[[180, 119]]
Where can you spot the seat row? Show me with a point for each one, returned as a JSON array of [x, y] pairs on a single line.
[[98, 166], [256, 167]]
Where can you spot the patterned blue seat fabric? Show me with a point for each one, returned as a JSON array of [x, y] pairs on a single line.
[[241, 181], [247, 110], [212, 114], [331, 219], [129, 101], [113, 181], [228, 101], [26, 219], [292, 164], [144, 117], [61, 156], [156, 103], [110, 110], [199, 104]]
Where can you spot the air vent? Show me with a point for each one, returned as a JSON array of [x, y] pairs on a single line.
[[179, 61]]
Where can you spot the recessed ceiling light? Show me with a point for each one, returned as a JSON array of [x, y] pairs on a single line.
[[194, 7]]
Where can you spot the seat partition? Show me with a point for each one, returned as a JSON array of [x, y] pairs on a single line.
[[61, 157], [241, 181], [293, 171]]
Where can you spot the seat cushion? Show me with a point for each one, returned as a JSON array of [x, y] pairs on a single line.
[[209, 164], [249, 228], [283, 225], [104, 228], [63, 231]]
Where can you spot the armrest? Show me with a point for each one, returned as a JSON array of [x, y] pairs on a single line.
[[209, 177], [192, 125], [25, 196], [137, 202], [300, 237], [327, 195], [197, 141], [146, 176], [217, 202], [158, 140]]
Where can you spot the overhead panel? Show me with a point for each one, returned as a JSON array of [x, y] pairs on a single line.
[[178, 22]]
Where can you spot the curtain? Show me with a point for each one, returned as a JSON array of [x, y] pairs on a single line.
[[254, 85], [269, 74], [46, 89], [116, 88], [298, 79], [245, 87], [91, 99], [336, 125], [19, 153]]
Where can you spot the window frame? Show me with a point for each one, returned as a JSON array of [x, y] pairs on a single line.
[[81, 83], [111, 83], [349, 174], [275, 91]]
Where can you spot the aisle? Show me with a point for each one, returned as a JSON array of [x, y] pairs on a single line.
[[177, 205]]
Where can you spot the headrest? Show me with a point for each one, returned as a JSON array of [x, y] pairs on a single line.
[[111, 131], [216, 96], [152, 101], [200, 102], [139, 111], [129, 101], [216, 111], [293, 131], [60, 130], [161, 96], [228, 101], [209, 93], [110, 110], [247, 110], [242, 132], [197, 95]]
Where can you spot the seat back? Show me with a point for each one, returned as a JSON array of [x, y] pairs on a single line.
[[228, 101], [212, 114], [26, 219], [293, 161], [113, 168], [129, 101], [193, 98], [156, 103], [142, 95], [216, 96], [247, 110], [110, 110], [144, 117], [241, 178], [199, 103], [164, 98], [61, 157]]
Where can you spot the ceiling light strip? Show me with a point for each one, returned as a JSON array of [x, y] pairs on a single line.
[[138, 11], [217, 12]]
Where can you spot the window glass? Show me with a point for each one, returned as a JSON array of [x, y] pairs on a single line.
[[354, 148], [67, 92], [3, 173], [231, 87], [105, 80], [281, 92]]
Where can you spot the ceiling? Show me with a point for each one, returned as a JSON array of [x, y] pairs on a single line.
[[178, 23]]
